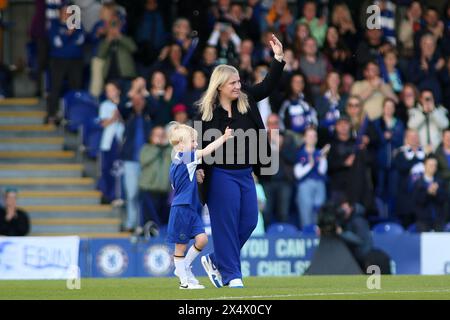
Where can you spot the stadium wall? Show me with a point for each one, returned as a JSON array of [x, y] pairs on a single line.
[[27, 258]]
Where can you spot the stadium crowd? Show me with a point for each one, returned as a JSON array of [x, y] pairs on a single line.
[[363, 112]]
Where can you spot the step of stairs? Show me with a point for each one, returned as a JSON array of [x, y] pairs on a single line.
[[60, 197], [21, 104], [22, 117], [75, 225], [41, 170], [31, 144], [52, 189], [36, 156], [49, 183], [66, 211]]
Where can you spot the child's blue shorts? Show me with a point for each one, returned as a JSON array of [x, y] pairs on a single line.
[[184, 224]]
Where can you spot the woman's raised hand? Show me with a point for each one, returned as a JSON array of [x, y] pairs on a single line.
[[277, 48]]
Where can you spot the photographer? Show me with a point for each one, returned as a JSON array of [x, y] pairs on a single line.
[[353, 228], [334, 255]]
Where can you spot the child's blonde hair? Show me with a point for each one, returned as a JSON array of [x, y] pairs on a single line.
[[178, 132]]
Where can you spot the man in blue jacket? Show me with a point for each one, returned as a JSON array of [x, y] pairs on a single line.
[[66, 60]]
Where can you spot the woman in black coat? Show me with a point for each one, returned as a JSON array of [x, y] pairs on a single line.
[[228, 187]]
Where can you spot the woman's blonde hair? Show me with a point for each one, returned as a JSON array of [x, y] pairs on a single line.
[[177, 132], [220, 76]]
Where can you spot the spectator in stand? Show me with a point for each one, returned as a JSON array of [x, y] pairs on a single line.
[[430, 197], [154, 184], [370, 49], [180, 114], [239, 20], [182, 35], [297, 112], [280, 18], [317, 26], [302, 33], [387, 19], [109, 182], [362, 129], [137, 126], [428, 68], [150, 36], [347, 164], [263, 52], [117, 50], [409, 165], [336, 51], [443, 157], [347, 83], [373, 91], [446, 37], [265, 105], [409, 26], [278, 187], [66, 61], [220, 11], [196, 88], [253, 16], [434, 25], [314, 65], [390, 134], [227, 42], [208, 60], [310, 173], [342, 19], [14, 222], [408, 99], [429, 120], [161, 100], [38, 35], [176, 69], [329, 106], [390, 73], [99, 30]]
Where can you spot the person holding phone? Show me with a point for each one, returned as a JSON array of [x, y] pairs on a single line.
[[429, 120], [310, 172]]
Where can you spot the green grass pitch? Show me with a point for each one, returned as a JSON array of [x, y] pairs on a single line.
[[258, 288]]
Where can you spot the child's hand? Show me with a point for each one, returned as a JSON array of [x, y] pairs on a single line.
[[228, 134]]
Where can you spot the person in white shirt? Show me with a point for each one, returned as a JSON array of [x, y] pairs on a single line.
[[113, 128]]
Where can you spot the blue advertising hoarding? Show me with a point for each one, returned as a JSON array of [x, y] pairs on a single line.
[[261, 256]]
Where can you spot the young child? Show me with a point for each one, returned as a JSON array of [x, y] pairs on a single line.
[[185, 221]]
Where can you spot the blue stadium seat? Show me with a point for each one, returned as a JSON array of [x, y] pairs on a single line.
[[92, 136], [285, 229], [447, 227], [79, 107], [310, 230], [412, 228], [388, 228]]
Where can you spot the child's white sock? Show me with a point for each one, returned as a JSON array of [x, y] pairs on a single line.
[[180, 267], [192, 253]]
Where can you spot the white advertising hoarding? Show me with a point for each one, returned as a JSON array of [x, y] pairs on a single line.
[[38, 257]]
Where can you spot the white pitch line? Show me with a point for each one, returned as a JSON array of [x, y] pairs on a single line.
[[328, 294]]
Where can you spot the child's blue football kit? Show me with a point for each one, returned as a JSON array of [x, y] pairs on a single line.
[[185, 219]]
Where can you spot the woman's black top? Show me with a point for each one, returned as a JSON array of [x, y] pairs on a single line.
[[250, 120]]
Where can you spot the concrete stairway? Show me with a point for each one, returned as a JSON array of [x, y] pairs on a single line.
[[52, 187]]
